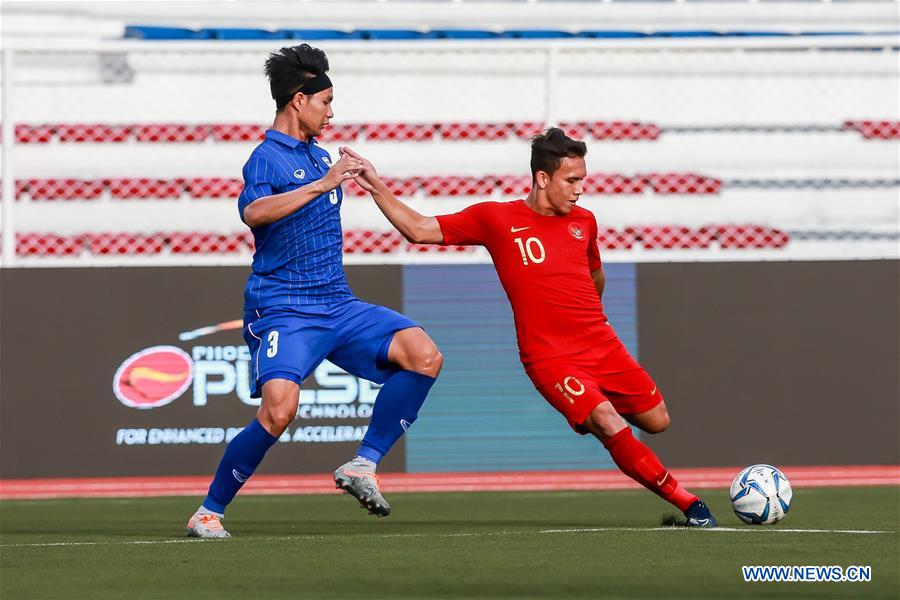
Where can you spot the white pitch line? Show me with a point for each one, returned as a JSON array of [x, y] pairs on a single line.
[[466, 534], [748, 529]]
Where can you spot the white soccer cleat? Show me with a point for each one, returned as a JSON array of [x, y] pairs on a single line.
[[206, 526], [362, 485]]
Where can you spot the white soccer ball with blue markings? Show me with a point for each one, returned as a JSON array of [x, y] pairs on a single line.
[[761, 495]]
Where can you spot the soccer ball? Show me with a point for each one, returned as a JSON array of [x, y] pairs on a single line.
[[761, 495]]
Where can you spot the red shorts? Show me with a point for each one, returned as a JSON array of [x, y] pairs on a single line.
[[576, 384]]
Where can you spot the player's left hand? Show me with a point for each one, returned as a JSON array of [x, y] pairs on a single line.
[[367, 178]]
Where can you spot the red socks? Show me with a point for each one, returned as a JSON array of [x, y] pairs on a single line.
[[638, 462]]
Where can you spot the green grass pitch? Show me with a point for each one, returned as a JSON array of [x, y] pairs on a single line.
[[451, 545]]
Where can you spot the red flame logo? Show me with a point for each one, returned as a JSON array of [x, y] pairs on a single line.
[[153, 377]]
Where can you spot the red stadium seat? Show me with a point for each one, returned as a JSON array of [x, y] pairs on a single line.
[[620, 130], [214, 187], [171, 132], [125, 243], [364, 241], [94, 133], [574, 129], [246, 238], [435, 249], [459, 186], [749, 236], [143, 189], [34, 134], [62, 189], [409, 132], [21, 187], [205, 243], [613, 239], [403, 186], [514, 185], [353, 189], [875, 130], [611, 183], [474, 131], [238, 132], [341, 133], [399, 186], [656, 237], [684, 183], [527, 129], [48, 244]]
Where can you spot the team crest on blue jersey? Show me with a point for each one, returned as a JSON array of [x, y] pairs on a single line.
[[300, 174]]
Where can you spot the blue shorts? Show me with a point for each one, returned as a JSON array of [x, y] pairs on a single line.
[[289, 342]]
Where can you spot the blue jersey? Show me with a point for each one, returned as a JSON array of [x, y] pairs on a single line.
[[298, 259]]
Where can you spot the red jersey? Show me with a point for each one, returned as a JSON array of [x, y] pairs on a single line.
[[545, 264]]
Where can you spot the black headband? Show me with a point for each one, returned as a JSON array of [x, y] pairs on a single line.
[[311, 86]]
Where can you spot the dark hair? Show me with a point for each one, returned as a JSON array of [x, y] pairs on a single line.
[[548, 149], [289, 67]]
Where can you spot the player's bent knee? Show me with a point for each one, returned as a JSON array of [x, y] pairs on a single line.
[[428, 361], [604, 421], [660, 422], [276, 421]]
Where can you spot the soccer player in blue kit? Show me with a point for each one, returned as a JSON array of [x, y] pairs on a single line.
[[298, 308]]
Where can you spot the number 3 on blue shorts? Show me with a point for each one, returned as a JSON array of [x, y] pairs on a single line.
[[272, 350]]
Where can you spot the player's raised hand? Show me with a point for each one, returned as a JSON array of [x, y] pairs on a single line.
[[346, 168], [368, 177]]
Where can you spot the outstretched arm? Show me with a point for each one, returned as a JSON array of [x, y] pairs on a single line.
[[415, 227], [269, 209]]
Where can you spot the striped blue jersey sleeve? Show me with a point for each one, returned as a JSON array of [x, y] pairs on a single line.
[[259, 181]]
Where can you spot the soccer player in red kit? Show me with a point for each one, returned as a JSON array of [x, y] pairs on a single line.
[[545, 251]]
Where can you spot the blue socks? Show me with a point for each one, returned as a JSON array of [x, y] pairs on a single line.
[[396, 409], [242, 456]]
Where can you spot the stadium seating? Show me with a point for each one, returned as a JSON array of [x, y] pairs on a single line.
[[458, 186], [683, 183], [410, 132], [208, 243], [61, 189], [93, 133], [144, 189], [34, 134], [214, 187], [667, 237], [749, 236], [238, 132], [875, 130], [124, 243], [474, 131], [608, 183], [368, 241], [171, 132], [404, 132], [393, 132], [47, 244], [430, 186], [153, 32]]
